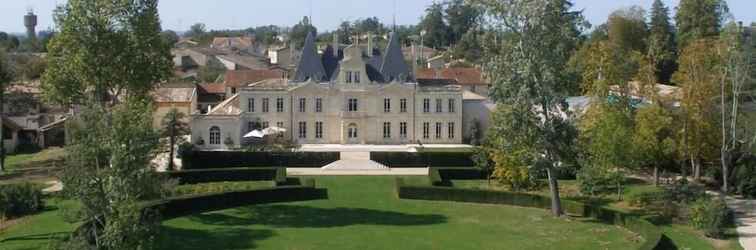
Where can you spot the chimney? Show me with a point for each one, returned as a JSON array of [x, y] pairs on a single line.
[[370, 44], [292, 50], [335, 44]]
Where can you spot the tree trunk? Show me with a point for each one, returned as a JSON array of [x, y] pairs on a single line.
[[173, 144], [725, 171], [556, 202], [656, 176], [683, 168], [697, 169]]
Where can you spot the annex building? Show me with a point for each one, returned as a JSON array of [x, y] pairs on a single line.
[[340, 96]]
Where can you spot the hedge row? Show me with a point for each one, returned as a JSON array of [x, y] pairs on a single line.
[[423, 159], [650, 233], [237, 159], [227, 174], [196, 204], [20, 199]]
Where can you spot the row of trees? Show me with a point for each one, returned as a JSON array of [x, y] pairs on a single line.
[[532, 128]]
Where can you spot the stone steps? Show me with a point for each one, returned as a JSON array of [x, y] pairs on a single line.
[[356, 161]]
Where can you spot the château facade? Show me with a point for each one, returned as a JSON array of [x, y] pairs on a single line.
[[344, 96]]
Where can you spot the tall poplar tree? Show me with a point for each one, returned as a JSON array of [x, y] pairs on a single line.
[[6, 76], [436, 30], [662, 49], [531, 80]]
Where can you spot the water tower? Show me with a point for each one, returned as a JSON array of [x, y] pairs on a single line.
[[30, 21]]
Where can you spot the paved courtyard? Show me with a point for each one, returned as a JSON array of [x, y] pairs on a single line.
[[745, 216], [377, 148]]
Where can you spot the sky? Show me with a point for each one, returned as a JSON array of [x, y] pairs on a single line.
[[327, 14]]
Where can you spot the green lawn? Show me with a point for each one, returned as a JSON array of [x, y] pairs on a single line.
[[19, 161], [40, 230], [364, 213], [678, 236]]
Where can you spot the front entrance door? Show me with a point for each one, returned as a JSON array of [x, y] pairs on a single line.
[[353, 134]]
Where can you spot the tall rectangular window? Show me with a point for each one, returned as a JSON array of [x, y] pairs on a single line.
[[265, 105], [426, 105], [302, 105], [403, 105], [386, 130], [302, 130], [349, 77], [452, 106], [352, 105], [280, 125], [438, 130], [403, 129], [451, 130], [279, 105], [386, 105], [319, 105], [439, 105], [251, 105], [426, 130], [318, 130], [357, 77]]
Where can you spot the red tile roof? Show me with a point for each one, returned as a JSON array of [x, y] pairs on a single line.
[[463, 76], [213, 88], [238, 78]]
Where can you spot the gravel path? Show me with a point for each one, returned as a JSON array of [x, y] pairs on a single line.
[[745, 215]]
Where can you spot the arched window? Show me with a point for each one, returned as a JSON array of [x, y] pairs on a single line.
[[215, 135]]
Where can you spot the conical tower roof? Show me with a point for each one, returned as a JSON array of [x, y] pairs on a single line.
[[310, 64], [394, 67]]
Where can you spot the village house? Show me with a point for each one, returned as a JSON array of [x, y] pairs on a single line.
[[470, 79]]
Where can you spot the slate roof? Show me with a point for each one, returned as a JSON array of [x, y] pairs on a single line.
[[240, 78], [394, 66], [310, 64]]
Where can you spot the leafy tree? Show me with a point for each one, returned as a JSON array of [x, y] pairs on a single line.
[[299, 31], [654, 137], [345, 32], [196, 30], [627, 28], [6, 76], [462, 17], [606, 65], [170, 37], [371, 24], [436, 30], [267, 34], [44, 39], [661, 43], [8, 42], [737, 53], [698, 19], [699, 78], [174, 126], [468, 47], [513, 158], [107, 171], [530, 80]]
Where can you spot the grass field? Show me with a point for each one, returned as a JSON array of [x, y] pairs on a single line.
[[677, 236], [364, 213]]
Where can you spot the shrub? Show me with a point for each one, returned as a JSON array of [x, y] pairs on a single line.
[[644, 197], [462, 174], [709, 215], [20, 199]]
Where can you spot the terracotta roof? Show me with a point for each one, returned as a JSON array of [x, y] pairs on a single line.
[[232, 42], [173, 94], [463, 76], [237, 78], [228, 107], [212, 88]]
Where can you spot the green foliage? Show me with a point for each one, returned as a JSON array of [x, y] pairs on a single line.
[[210, 73], [710, 215], [169, 37], [29, 67], [223, 175], [627, 28], [105, 51], [299, 32], [653, 139], [196, 30], [174, 127], [661, 43], [19, 199], [463, 19], [744, 177], [696, 19], [469, 47], [234, 159], [645, 197], [436, 30], [220, 187]]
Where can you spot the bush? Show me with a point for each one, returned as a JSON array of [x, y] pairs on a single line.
[[710, 215], [462, 174], [236, 159], [424, 159], [20, 199], [644, 197], [228, 175]]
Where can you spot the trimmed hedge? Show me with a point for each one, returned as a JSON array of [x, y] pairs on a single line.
[[238, 159], [195, 204], [423, 159], [462, 174], [227, 174], [650, 233]]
